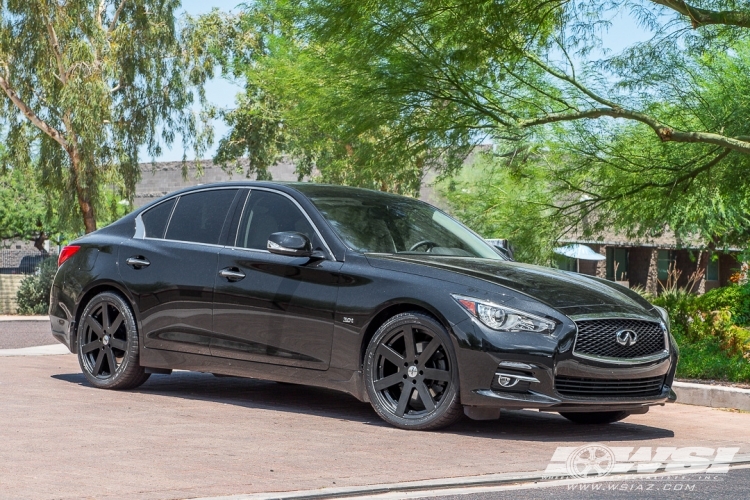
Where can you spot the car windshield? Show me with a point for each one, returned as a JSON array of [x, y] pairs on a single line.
[[372, 222]]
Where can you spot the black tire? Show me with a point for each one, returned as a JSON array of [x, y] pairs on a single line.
[[430, 403], [596, 418], [108, 335]]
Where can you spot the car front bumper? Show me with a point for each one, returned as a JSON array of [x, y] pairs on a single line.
[[543, 364]]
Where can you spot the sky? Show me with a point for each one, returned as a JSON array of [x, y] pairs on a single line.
[[624, 31], [219, 91]]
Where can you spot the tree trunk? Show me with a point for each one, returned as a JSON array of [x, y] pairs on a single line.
[[39, 241], [84, 197]]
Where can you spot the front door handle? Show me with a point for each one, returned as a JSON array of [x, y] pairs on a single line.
[[138, 262], [231, 274]]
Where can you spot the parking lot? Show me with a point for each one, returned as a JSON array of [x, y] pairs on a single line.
[[190, 435]]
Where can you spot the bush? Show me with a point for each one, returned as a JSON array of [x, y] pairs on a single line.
[[33, 294], [711, 331]]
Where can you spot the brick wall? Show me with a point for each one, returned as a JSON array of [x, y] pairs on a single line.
[[639, 262], [728, 265], [165, 177], [686, 262], [9, 284], [11, 257]]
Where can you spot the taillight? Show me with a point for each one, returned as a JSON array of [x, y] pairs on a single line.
[[66, 253]]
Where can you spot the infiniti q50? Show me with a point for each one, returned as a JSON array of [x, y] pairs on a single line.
[[381, 296]]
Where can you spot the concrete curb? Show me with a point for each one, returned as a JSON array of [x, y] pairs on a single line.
[[712, 395], [445, 487], [6, 317], [41, 350]]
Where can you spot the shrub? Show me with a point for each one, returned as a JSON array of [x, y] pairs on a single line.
[[33, 294], [711, 331]]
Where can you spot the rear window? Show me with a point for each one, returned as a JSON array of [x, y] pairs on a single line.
[[199, 217], [155, 219]]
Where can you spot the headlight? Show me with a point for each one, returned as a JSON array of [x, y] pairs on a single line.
[[665, 316], [504, 318]]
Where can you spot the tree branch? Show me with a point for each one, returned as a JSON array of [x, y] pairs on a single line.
[[665, 133], [571, 80], [29, 113], [100, 12], [614, 110], [702, 17], [113, 24], [54, 42]]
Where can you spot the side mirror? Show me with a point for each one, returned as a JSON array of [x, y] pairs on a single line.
[[503, 247], [290, 243]]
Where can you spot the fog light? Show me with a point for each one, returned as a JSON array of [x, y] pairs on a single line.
[[511, 379]]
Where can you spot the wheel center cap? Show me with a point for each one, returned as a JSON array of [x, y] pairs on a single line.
[[105, 340], [413, 371]]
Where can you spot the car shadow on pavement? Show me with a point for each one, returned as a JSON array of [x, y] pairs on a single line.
[[306, 400]]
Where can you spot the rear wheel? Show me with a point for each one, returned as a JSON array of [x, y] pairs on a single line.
[[411, 373], [108, 344], [596, 418]]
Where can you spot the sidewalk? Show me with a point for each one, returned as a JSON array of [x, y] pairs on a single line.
[[711, 395], [7, 317]]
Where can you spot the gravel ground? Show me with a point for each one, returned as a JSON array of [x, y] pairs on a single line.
[[17, 334]]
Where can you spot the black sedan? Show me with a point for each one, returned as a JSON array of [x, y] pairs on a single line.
[[381, 296]]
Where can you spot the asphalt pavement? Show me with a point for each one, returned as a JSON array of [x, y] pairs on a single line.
[[18, 334], [735, 486]]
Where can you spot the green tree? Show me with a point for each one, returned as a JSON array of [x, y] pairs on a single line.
[[299, 103], [506, 198], [649, 137], [23, 211], [96, 80]]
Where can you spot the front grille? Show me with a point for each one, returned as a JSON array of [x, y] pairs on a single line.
[[598, 337], [592, 387]]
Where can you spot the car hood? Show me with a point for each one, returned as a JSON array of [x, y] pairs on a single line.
[[572, 293]]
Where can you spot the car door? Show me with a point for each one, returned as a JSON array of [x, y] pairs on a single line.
[[170, 268], [274, 308]]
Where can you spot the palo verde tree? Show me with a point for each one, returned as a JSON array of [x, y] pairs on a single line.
[[300, 103], [97, 80], [651, 136]]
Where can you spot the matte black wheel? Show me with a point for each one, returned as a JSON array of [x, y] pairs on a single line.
[[596, 418], [411, 373], [108, 344]]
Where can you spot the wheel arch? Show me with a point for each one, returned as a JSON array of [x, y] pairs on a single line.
[[89, 293], [393, 308]]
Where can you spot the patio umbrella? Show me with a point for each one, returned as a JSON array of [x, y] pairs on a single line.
[[578, 251]]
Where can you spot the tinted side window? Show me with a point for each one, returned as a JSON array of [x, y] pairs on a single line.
[[155, 219], [199, 217], [267, 213]]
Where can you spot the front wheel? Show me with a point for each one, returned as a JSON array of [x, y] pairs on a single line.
[[411, 373], [108, 344], [596, 418]]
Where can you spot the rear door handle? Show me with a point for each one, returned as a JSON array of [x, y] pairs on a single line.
[[138, 262], [231, 274]]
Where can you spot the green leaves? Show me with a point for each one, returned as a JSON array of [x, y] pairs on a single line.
[[97, 80], [650, 138], [506, 197]]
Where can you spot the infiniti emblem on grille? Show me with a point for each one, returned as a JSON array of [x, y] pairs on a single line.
[[626, 337]]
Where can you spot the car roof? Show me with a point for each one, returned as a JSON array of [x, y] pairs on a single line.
[[307, 189]]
